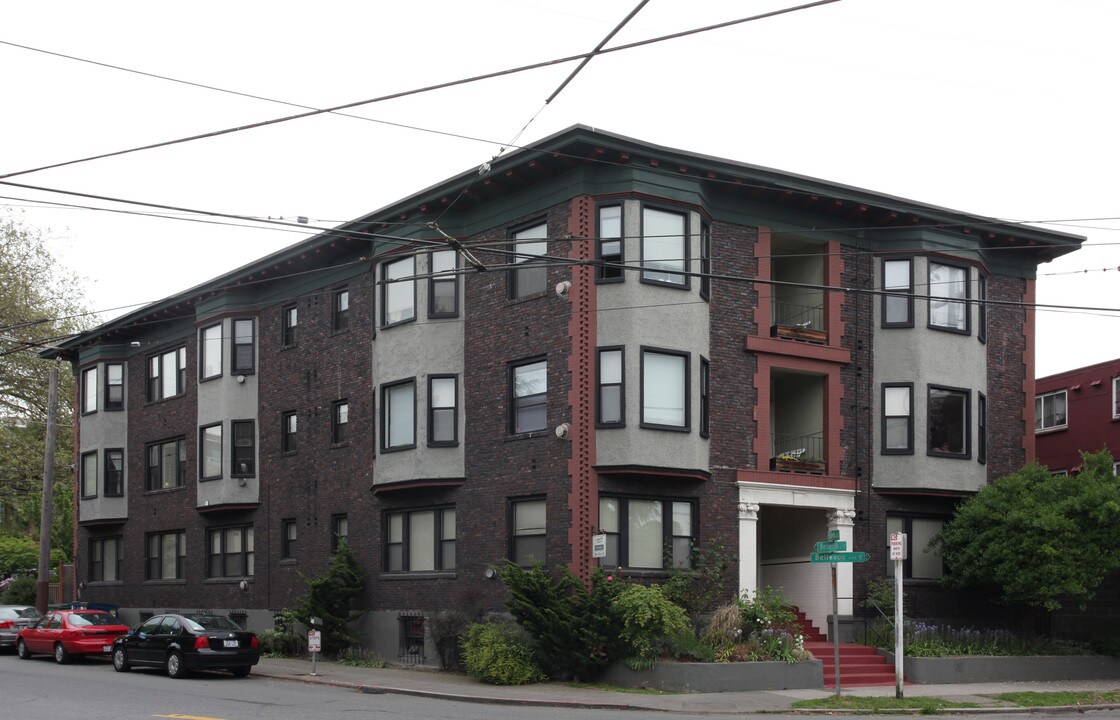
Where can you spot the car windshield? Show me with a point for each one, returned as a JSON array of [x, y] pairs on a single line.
[[84, 619], [30, 613], [199, 623]]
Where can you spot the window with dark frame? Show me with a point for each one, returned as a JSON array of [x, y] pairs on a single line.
[[167, 465], [243, 448], [230, 552], [1115, 397], [210, 352], [443, 286], [89, 475], [166, 555], [420, 540], [340, 310], [443, 410], [705, 404], [114, 472], [529, 396], [982, 303], [105, 556], [340, 531], [530, 275], [527, 531], [664, 247], [948, 297], [654, 533], [922, 561], [398, 291], [340, 421], [398, 415], [609, 249], [981, 428], [289, 533], [243, 358], [114, 386], [1050, 410], [665, 389], [167, 374], [210, 452], [89, 390], [948, 422], [289, 425], [611, 406], [705, 261], [898, 293], [289, 325], [897, 432]]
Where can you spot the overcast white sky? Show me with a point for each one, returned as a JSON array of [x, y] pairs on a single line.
[[1004, 108]]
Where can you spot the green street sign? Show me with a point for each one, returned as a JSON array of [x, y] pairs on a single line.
[[838, 557], [827, 547], [833, 535]]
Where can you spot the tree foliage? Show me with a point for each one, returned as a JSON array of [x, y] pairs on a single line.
[[40, 303], [329, 597], [1039, 539]]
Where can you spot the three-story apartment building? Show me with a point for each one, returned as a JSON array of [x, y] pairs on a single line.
[[595, 336]]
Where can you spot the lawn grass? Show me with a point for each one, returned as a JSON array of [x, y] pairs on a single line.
[[1050, 699], [922, 704]]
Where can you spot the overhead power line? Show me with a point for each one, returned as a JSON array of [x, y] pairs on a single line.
[[429, 88]]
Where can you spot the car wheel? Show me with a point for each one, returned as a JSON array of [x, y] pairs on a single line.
[[120, 660], [175, 666], [22, 651], [61, 654], [241, 671]]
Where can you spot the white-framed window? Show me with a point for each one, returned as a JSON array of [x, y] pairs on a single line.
[[398, 415], [420, 540], [898, 419], [243, 357], [948, 297], [922, 561], [664, 247], [166, 556], [443, 287], [527, 531], [114, 386], [243, 448], [105, 556], [89, 390], [210, 452], [443, 410], [528, 392], [665, 389], [398, 291], [89, 475], [611, 406], [947, 421], [210, 351], [530, 276], [898, 289], [1050, 410], [609, 250], [230, 552], [167, 374], [647, 533]]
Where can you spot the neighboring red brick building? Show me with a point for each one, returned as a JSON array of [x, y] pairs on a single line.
[[672, 350], [1077, 410]]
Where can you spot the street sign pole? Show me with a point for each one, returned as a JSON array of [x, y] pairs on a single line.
[[836, 628]]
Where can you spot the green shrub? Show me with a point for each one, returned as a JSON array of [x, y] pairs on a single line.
[[698, 587], [279, 643], [329, 598], [649, 619], [924, 639], [768, 609], [20, 591], [500, 654], [880, 597]]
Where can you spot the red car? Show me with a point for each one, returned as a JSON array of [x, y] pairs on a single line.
[[68, 633]]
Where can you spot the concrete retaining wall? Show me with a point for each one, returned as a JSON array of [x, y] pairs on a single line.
[[719, 677], [940, 671]]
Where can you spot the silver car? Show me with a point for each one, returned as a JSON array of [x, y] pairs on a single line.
[[14, 618]]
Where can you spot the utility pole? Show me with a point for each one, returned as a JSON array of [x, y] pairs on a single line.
[[42, 588]]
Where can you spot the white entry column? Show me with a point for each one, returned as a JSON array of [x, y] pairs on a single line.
[[748, 548]]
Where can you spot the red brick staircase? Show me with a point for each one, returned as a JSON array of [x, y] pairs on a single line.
[[860, 665]]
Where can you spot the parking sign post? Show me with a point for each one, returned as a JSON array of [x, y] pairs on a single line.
[[898, 554], [314, 642]]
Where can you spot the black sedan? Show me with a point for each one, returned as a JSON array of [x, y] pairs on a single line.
[[181, 643]]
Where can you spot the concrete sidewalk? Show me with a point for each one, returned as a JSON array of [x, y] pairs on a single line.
[[455, 686]]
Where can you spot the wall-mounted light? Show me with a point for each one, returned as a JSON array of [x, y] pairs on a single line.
[[562, 431], [563, 287]]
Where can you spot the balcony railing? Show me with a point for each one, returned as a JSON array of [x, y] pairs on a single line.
[[798, 453], [798, 322]]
